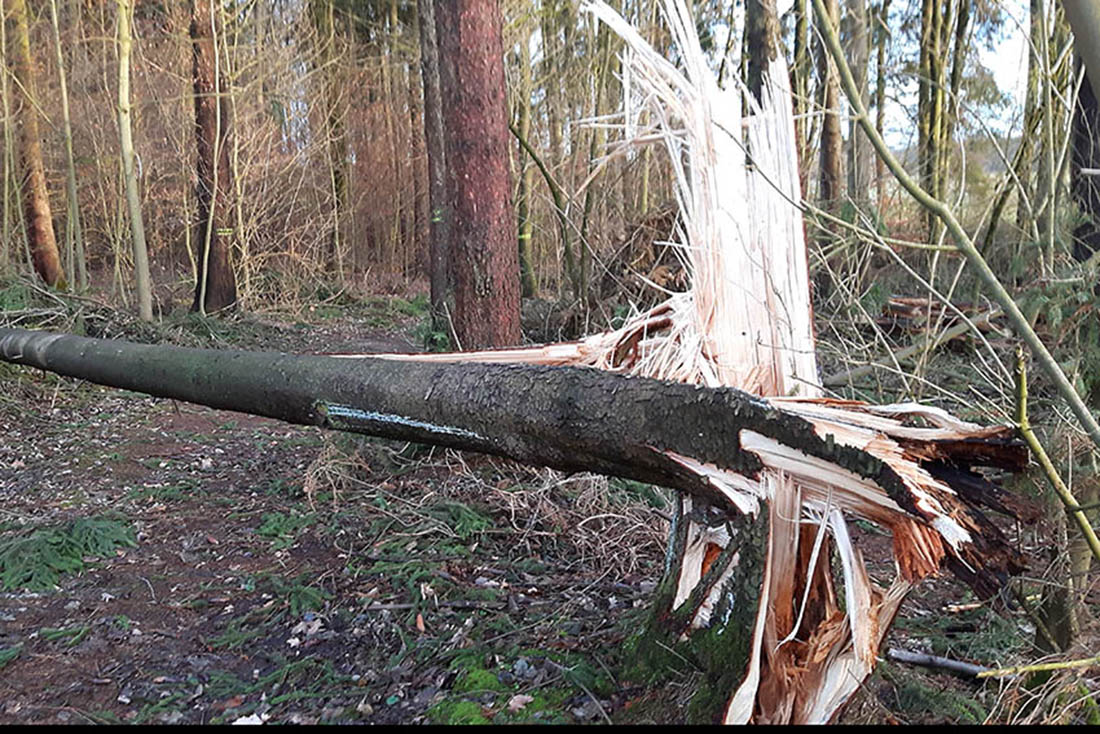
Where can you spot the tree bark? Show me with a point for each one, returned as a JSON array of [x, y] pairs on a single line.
[[126, 150], [829, 190], [525, 173], [73, 235], [322, 13], [761, 41], [216, 288], [484, 264], [1084, 19], [882, 33], [859, 148], [1085, 189], [36, 199], [440, 221]]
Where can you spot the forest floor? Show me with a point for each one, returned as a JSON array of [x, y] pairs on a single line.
[[191, 565]]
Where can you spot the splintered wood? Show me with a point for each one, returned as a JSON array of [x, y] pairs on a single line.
[[746, 323]]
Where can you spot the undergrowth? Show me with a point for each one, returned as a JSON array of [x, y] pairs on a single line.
[[35, 559]]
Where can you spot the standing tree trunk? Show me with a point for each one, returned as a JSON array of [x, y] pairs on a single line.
[[439, 222], [74, 237], [1025, 220], [484, 262], [936, 22], [126, 148], [829, 190], [526, 173], [882, 33], [9, 146], [800, 76], [322, 13], [216, 288], [859, 147], [761, 35], [36, 200]]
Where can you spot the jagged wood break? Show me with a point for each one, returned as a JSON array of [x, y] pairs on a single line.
[[768, 480], [720, 445]]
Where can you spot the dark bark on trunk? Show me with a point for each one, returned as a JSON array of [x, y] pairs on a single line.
[[567, 418], [484, 262], [36, 199], [216, 288], [859, 147], [882, 29], [761, 41], [1085, 189], [323, 14], [439, 227], [829, 191], [800, 75]]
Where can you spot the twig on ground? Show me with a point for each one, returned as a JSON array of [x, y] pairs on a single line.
[[956, 667]]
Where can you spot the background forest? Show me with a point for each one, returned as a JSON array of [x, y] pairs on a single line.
[[314, 121]]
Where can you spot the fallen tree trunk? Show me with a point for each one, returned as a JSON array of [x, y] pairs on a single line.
[[704, 441]]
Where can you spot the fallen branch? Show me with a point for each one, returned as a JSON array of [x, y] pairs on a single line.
[[1040, 668], [955, 667], [930, 342]]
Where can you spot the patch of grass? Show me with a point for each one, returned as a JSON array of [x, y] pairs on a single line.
[[298, 594], [283, 529], [915, 697], [977, 634], [161, 494], [288, 489], [629, 491], [463, 520], [236, 636], [71, 636], [286, 682], [36, 558], [7, 654]]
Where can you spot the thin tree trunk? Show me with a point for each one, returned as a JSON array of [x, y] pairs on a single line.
[[126, 149], [9, 147], [829, 190], [323, 12], [216, 288], [440, 220], [485, 263], [882, 28], [801, 72], [859, 148], [74, 237], [761, 34], [36, 200], [1026, 199], [603, 61], [525, 173]]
